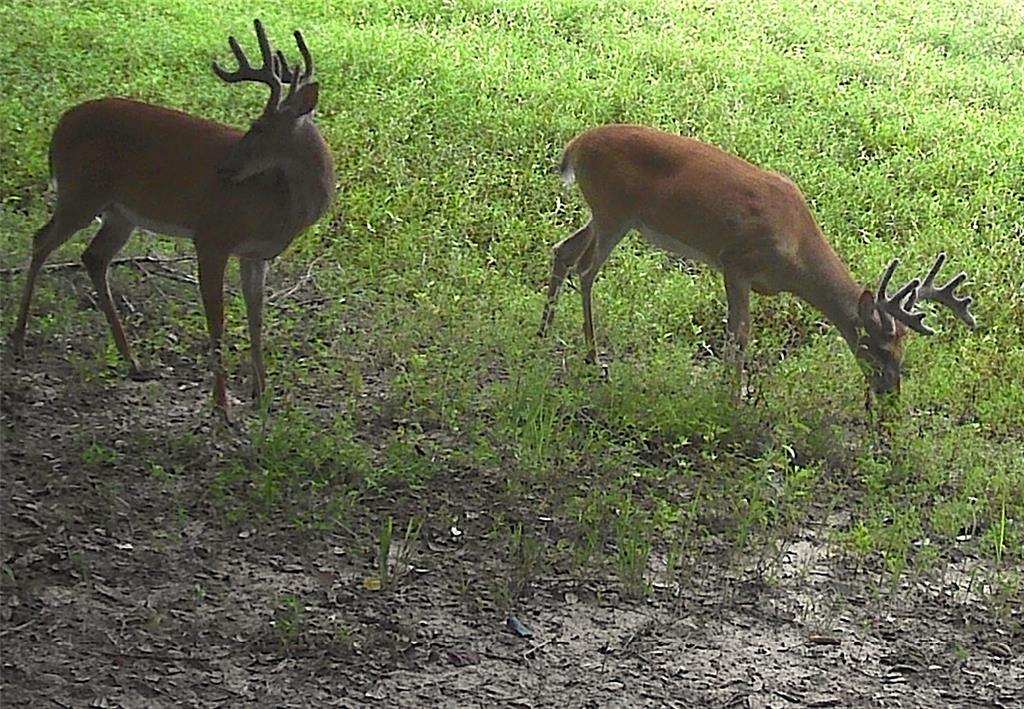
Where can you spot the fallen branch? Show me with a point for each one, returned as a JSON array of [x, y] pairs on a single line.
[[160, 264], [538, 646], [27, 623], [163, 270], [129, 260], [308, 276]]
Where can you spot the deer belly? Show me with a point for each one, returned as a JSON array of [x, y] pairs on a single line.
[[259, 248], [675, 246], [761, 288], [153, 225]]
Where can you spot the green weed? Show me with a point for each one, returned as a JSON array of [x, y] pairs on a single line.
[[409, 351]]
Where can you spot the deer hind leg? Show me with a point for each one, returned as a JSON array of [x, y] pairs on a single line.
[[61, 227], [109, 240], [604, 239], [211, 286], [254, 276], [565, 255]]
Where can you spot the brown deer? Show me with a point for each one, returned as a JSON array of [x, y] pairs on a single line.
[[753, 225], [232, 193]]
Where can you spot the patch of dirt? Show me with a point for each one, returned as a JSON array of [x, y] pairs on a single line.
[[124, 584]]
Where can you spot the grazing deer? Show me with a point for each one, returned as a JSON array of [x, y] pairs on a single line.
[[138, 165], [753, 225]]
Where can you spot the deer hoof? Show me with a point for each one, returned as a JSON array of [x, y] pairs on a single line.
[[138, 374]]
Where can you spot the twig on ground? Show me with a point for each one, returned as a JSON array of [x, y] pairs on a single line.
[[156, 657], [537, 647], [72, 265], [172, 295], [16, 628], [161, 269], [308, 276]]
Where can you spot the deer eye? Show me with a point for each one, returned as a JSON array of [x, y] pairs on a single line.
[[869, 356]]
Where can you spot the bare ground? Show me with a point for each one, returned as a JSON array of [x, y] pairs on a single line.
[[125, 585]]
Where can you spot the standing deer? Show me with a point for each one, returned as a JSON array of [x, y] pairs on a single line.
[[753, 225], [138, 165]]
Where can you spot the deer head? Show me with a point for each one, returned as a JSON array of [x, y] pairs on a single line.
[[886, 321], [270, 141]]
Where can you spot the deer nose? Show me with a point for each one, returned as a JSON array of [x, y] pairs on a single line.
[[889, 385]]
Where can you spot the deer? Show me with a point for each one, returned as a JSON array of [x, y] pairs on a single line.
[[753, 225], [233, 193]]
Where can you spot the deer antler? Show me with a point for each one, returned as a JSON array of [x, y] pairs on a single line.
[[268, 74], [893, 308], [289, 73], [945, 294]]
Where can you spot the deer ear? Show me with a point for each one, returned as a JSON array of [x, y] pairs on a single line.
[[305, 99], [866, 309]]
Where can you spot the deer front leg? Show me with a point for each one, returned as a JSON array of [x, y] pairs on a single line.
[[737, 293], [605, 235], [211, 286], [254, 276]]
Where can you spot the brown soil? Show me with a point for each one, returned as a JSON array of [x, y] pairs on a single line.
[[125, 586]]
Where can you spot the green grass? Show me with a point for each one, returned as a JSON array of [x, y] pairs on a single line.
[[900, 121]]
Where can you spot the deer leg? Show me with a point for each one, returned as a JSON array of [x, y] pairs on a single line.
[[211, 286], [737, 293], [254, 276], [55, 232], [565, 255], [109, 240], [598, 249]]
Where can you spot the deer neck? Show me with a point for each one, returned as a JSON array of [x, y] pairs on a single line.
[[830, 288], [309, 176]]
